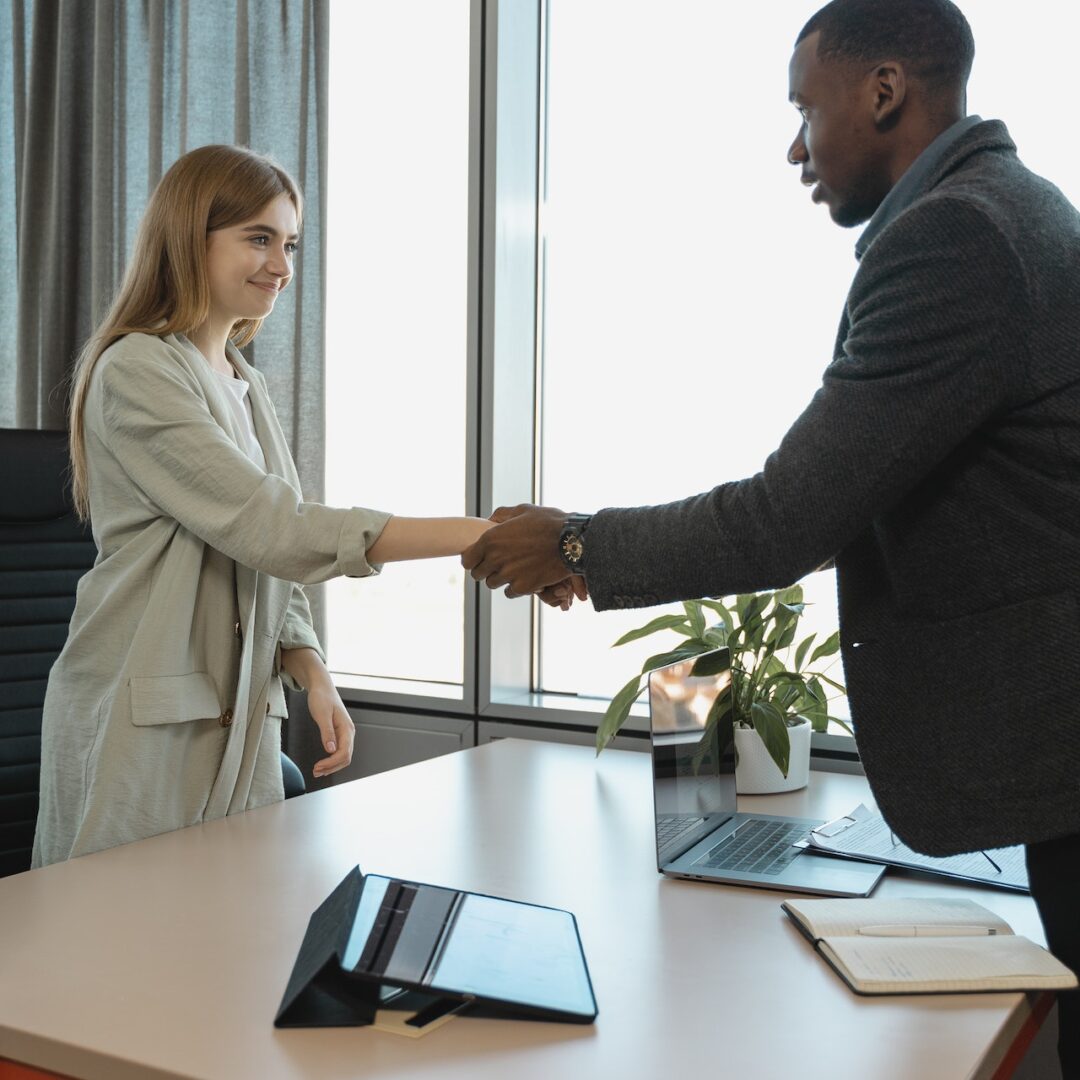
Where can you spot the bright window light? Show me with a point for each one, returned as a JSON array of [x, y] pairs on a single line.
[[397, 219]]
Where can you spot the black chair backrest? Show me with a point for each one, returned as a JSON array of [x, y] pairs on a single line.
[[44, 550]]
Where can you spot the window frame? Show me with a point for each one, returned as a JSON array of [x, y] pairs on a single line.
[[504, 369]]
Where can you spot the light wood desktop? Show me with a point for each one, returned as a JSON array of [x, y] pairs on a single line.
[[169, 957]]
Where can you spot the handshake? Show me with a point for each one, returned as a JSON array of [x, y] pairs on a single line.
[[521, 552]]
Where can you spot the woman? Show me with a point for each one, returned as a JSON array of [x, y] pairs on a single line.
[[164, 708]]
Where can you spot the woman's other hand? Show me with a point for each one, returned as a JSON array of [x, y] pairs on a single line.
[[336, 728]]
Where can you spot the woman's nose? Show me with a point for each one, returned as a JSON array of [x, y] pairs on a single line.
[[278, 262]]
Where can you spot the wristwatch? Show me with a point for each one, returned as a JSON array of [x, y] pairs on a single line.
[[572, 542]]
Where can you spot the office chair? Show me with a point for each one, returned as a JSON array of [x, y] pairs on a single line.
[[44, 550]]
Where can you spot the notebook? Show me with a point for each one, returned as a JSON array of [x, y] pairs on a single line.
[[924, 946], [700, 831]]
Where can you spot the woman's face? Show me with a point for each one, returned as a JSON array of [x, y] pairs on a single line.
[[249, 264]]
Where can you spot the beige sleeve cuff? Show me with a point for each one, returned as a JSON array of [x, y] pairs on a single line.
[[359, 531]]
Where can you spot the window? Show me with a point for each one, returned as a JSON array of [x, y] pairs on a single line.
[[689, 284], [397, 262]]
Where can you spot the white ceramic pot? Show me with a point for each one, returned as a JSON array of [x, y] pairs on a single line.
[[757, 774]]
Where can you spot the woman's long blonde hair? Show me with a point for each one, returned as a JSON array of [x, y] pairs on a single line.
[[165, 288]]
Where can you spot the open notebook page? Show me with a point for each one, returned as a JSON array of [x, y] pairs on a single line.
[[984, 963]]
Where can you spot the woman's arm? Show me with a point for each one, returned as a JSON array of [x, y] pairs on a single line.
[[425, 538]]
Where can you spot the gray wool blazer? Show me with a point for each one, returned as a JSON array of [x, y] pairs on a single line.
[[939, 464], [164, 708]]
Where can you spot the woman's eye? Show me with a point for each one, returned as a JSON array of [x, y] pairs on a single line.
[[291, 248], [260, 240]]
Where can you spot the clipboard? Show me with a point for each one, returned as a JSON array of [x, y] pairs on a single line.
[[450, 950], [864, 835]]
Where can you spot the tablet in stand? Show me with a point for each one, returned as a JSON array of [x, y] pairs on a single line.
[[376, 936]]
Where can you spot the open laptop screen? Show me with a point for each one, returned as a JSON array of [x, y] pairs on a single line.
[[693, 746]]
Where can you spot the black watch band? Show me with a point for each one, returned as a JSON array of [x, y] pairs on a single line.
[[572, 542]]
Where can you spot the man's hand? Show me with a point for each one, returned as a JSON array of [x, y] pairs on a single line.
[[522, 553]]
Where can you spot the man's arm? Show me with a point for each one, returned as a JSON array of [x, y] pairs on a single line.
[[937, 312]]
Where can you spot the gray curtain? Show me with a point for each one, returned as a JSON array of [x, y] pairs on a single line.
[[104, 95]]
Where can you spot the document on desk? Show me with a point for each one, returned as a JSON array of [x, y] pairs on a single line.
[[863, 834]]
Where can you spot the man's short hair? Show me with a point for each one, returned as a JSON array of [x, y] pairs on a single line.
[[931, 37]]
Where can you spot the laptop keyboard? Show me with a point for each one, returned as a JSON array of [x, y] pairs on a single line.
[[759, 847], [669, 829]]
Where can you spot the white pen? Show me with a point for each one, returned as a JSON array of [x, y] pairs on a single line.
[[928, 931]]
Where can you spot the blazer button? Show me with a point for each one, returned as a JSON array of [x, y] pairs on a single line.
[[226, 718], [268, 708]]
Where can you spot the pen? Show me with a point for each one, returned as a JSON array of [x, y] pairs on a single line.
[[928, 931]]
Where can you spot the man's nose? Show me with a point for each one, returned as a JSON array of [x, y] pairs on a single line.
[[797, 154]]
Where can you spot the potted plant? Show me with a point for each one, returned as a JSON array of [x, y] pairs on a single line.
[[775, 699]]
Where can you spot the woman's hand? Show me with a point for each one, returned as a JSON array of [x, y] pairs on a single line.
[[336, 729], [562, 594]]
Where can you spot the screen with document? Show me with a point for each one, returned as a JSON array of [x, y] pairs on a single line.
[[439, 939]]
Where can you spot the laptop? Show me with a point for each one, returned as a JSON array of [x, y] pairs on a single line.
[[700, 833]]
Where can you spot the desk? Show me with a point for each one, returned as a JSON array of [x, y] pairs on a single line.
[[168, 957]]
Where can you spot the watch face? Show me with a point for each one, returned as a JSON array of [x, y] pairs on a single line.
[[573, 548]]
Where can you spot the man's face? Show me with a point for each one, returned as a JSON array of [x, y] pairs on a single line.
[[838, 146]]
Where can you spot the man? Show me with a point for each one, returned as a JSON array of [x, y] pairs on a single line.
[[938, 465]]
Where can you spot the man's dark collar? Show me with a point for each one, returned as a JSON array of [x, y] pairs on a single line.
[[920, 176]]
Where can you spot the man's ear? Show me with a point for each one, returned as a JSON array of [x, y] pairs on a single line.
[[888, 85]]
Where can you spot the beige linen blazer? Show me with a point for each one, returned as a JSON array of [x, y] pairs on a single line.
[[164, 708]]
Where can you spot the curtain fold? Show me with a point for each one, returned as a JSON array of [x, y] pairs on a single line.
[[104, 95]]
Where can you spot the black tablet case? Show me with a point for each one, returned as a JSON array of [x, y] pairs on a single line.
[[323, 993]]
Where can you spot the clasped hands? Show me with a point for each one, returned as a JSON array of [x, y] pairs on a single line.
[[522, 554]]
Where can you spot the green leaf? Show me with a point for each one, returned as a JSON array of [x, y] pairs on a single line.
[[779, 618], [774, 665], [757, 603], [695, 617], [683, 652], [815, 689], [833, 683], [829, 646], [791, 596], [800, 653], [788, 636], [661, 622], [712, 663], [818, 721], [843, 723], [721, 610], [769, 724], [716, 635], [618, 711]]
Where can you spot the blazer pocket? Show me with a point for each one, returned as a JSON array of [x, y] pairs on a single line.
[[275, 699], [174, 699]]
